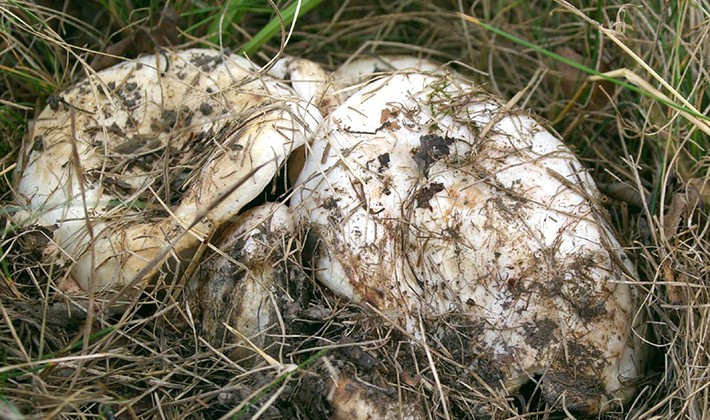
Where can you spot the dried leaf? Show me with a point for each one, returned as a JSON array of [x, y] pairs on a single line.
[[674, 215], [357, 355], [700, 188], [572, 79], [622, 192], [683, 203], [673, 290]]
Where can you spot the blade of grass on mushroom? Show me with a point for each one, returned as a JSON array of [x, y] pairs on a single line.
[[685, 111]]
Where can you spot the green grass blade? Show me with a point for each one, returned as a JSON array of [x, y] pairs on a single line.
[[274, 26], [582, 67], [233, 11]]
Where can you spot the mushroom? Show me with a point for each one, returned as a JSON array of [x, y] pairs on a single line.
[[108, 156], [241, 289], [430, 197]]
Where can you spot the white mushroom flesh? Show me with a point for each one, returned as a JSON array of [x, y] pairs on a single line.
[[429, 197]]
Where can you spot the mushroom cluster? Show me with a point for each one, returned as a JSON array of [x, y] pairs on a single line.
[[427, 198]]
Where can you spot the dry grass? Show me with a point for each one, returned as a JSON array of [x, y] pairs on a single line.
[[649, 158]]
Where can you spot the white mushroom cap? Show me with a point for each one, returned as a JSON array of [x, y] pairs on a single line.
[[167, 104], [429, 198], [328, 90], [363, 69], [310, 81]]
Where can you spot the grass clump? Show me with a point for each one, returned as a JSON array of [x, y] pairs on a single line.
[[627, 86]]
